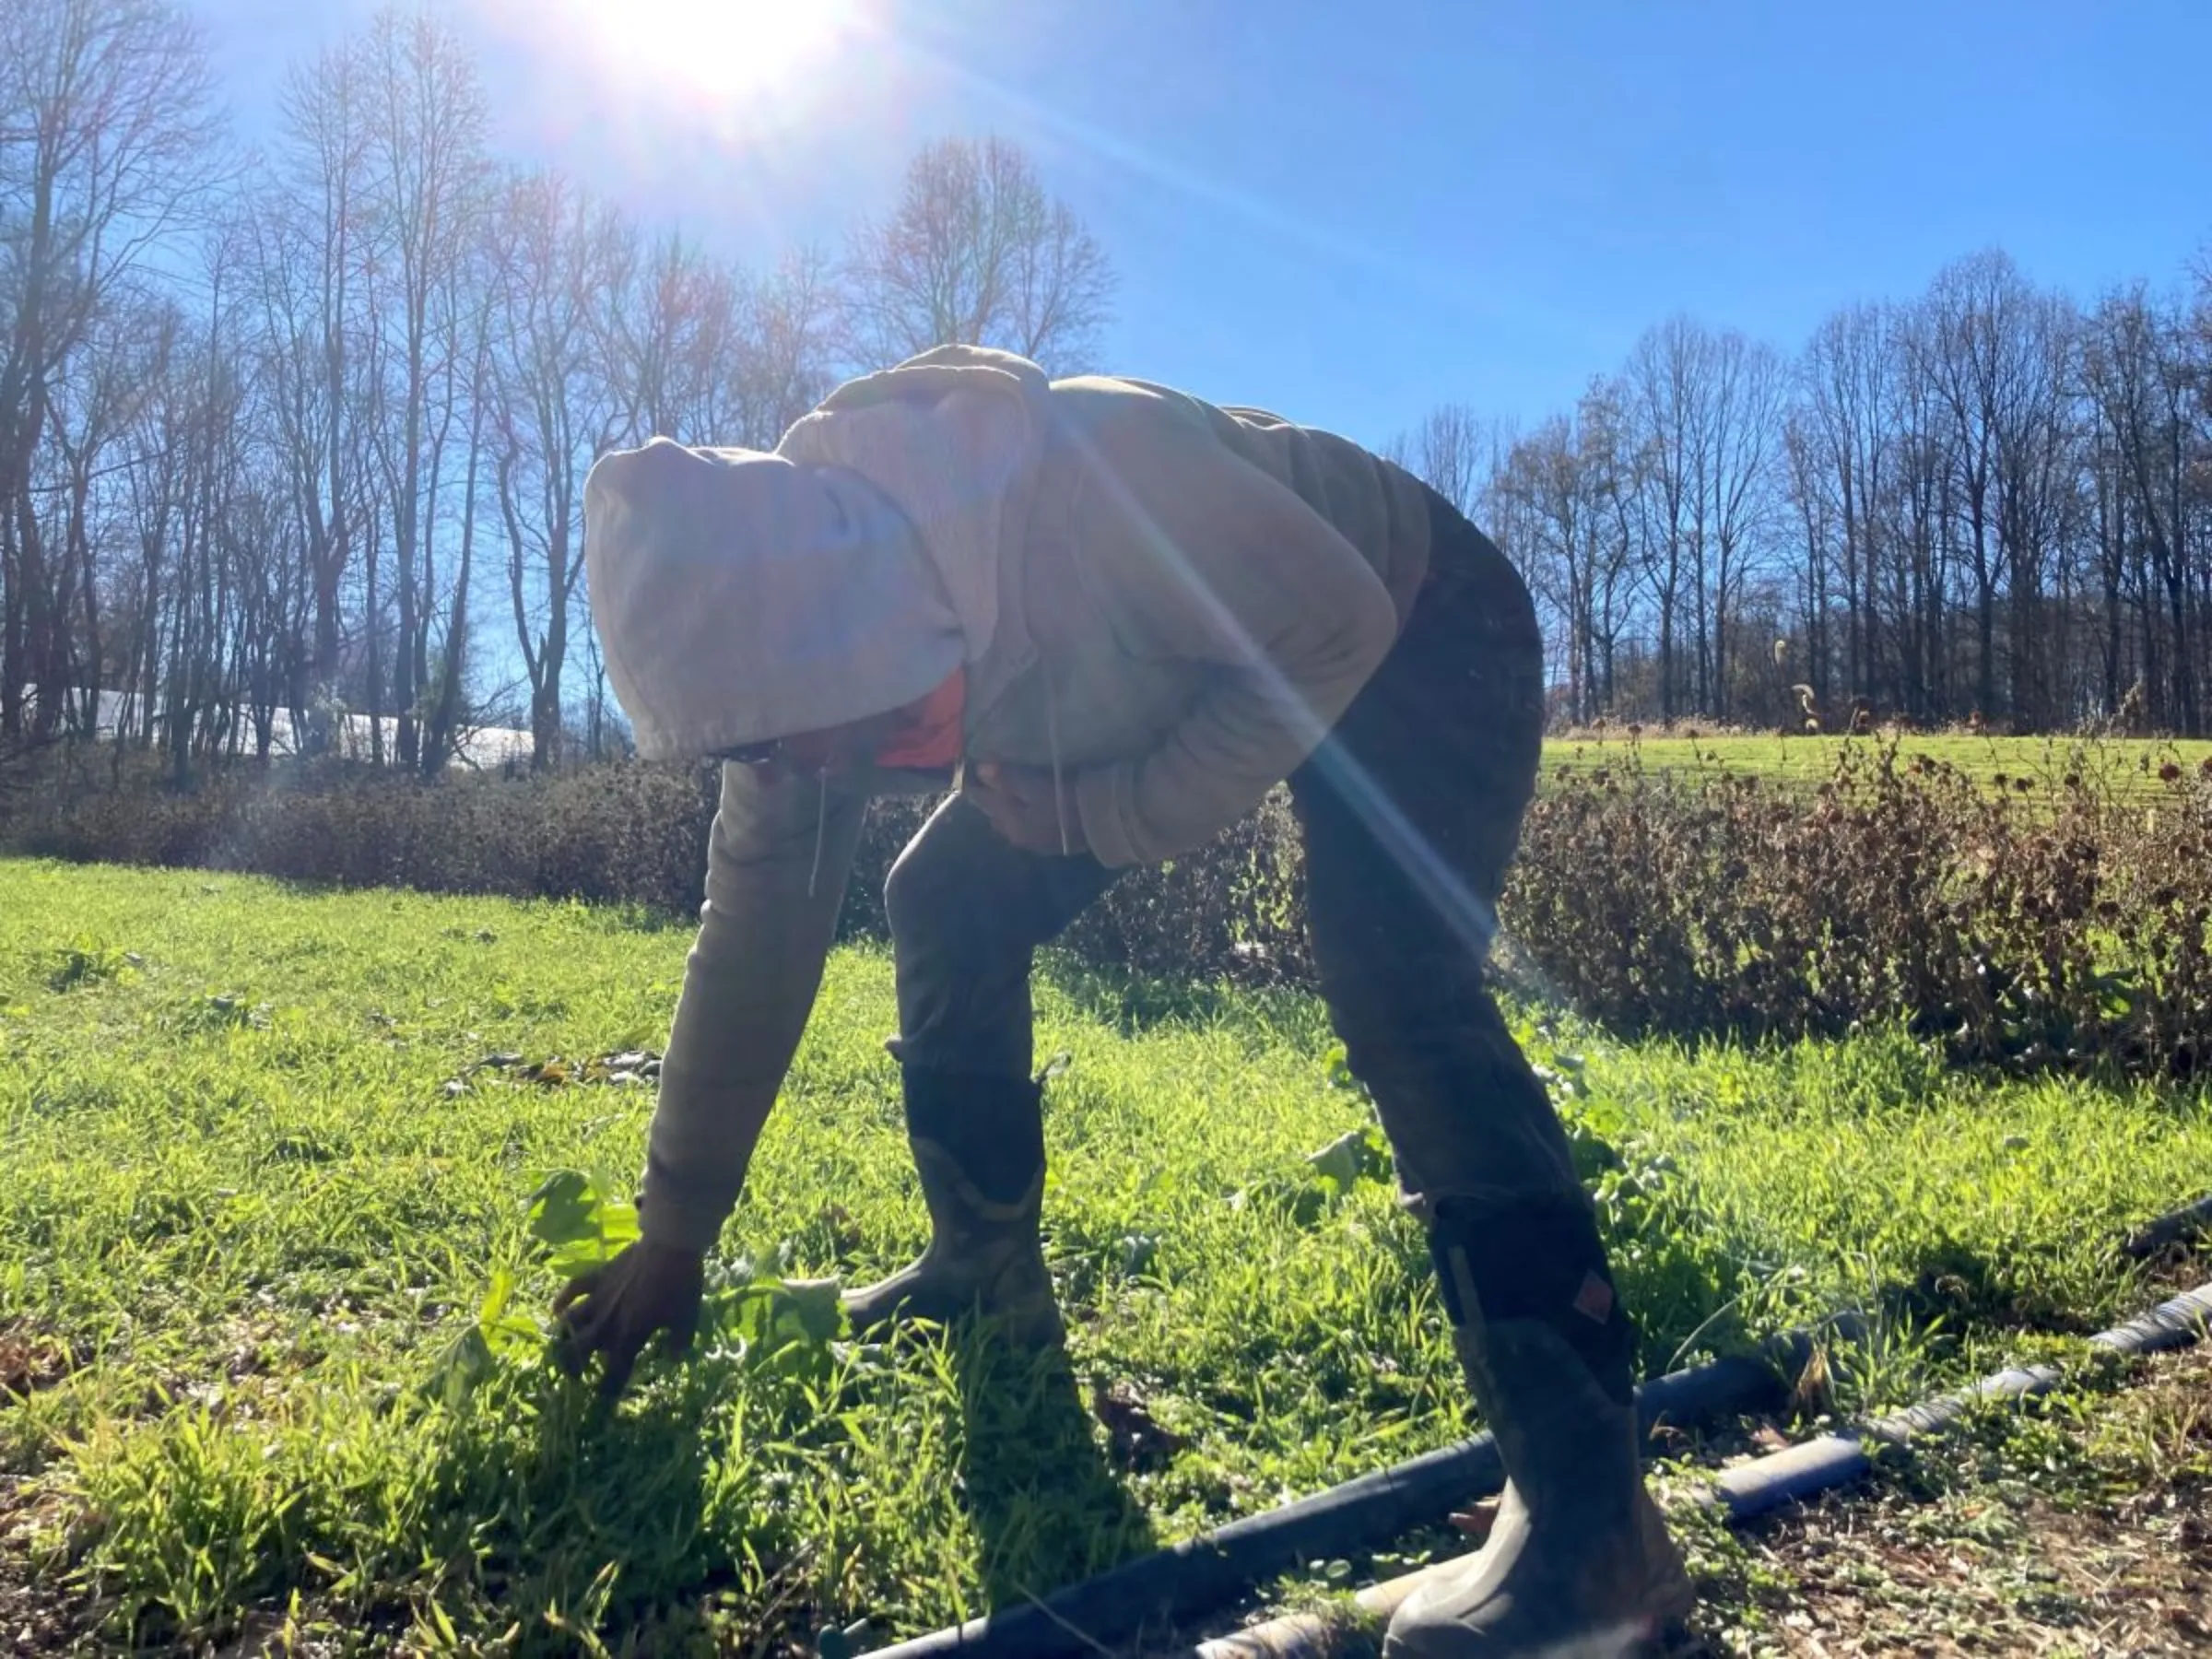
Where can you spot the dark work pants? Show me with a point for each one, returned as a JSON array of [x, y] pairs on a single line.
[[1411, 813]]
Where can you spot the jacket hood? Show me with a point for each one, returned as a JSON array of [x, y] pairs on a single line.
[[947, 436], [740, 596]]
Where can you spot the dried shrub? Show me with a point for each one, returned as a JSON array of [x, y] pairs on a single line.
[[2022, 922], [2031, 923], [615, 833]]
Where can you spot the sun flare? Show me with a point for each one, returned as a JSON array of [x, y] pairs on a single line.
[[711, 49]]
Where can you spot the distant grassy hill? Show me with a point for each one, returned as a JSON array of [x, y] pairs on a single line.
[[2125, 764]]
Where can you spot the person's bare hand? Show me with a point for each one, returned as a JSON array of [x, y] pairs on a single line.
[[1025, 806], [614, 1311]]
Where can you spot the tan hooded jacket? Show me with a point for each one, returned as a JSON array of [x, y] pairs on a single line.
[[1166, 602]]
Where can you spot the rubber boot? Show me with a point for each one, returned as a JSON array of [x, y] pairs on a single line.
[[1578, 1561], [978, 1143]]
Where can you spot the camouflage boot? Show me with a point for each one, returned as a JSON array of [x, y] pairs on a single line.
[[1578, 1561], [979, 1148]]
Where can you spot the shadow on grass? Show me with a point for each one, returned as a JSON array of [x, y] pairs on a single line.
[[597, 1522], [1965, 1288], [1049, 1510]]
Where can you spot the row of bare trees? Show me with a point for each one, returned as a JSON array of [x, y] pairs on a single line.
[[303, 431], [298, 432], [1987, 500]]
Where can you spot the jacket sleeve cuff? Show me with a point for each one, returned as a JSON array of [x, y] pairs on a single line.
[[675, 1221], [1121, 835], [1101, 794]]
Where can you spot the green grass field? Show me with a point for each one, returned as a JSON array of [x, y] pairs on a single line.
[[2127, 765], [255, 1188]]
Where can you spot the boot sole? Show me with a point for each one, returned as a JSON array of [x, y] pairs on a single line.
[[1674, 1640], [1669, 1602]]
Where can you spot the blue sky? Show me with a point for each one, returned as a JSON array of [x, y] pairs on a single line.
[[1349, 213]]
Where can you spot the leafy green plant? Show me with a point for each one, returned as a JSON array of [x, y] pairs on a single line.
[[581, 1226], [86, 960], [1357, 1155], [751, 1309]]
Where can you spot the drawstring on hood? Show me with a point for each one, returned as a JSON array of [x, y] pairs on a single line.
[[1052, 739], [821, 829]]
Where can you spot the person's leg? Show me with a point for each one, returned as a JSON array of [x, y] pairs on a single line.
[[967, 912], [1411, 814]]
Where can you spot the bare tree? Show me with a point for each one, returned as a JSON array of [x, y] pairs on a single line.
[[189, 503], [675, 318], [1545, 495], [1822, 548], [106, 148], [2144, 389], [1840, 467], [1561, 494], [426, 122], [1995, 351], [466, 303], [698, 349], [1664, 377], [309, 258], [1605, 580], [1456, 452], [1918, 525], [558, 403], [1959, 342], [90, 407], [977, 253], [2039, 504], [1742, 419], [792, 335], [146, 476]]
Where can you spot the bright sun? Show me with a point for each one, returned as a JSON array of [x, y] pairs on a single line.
[[712, 49]]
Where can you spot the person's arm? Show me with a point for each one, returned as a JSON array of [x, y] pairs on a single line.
[[749, 984], [1197, 556]]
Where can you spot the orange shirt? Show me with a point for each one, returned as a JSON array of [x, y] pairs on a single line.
[[932, 741]]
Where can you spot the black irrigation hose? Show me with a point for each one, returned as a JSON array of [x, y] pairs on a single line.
[[2183, 1225], [1193, 1578], [1748, 1490], [1816, 1465]]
